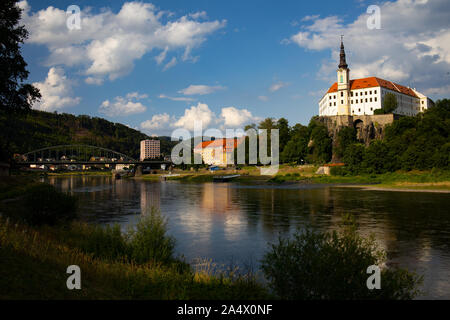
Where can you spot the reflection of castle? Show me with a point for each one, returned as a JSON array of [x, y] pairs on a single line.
[[150, 196]]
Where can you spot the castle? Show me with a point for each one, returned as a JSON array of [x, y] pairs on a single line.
[[360, 97]]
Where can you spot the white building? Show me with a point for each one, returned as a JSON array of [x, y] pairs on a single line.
[[364, 96], [150, 149]]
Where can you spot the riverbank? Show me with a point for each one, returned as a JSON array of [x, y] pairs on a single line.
[[33, 263], [419, 181]]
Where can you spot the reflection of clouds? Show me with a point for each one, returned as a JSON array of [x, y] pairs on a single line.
[[196, 222], [234, 226]]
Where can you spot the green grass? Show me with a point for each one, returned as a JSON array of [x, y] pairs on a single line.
[[411, 179], [33, 263]]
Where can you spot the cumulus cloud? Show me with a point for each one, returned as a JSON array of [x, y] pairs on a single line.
[[414, 52], [200, 90], [56, 91], [201, 113], [157, 122], [123, 106], [109, 43], [236, 118], [229, 118]]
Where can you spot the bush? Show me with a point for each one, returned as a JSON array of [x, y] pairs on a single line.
[[43, 204], [149, 241], [332, 265]]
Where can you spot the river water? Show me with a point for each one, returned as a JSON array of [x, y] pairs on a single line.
[[232, 224]]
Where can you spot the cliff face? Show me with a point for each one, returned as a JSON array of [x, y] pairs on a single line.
[[368, 128]]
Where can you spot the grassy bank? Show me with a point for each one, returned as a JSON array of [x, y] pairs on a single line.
[[414, 180], [33, 263]]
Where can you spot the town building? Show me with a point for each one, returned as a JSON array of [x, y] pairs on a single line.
[[219, 152], [150, 149], [363, 96]]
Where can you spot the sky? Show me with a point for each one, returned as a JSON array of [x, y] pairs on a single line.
[[160, 65]]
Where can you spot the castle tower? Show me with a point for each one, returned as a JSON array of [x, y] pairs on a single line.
[[343, 74]]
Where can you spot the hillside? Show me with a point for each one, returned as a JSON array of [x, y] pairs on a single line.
[[38, 129]]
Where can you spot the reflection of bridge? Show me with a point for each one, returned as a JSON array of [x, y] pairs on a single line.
[[79, 155]]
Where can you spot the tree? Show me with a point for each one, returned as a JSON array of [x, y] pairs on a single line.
[[345, 137], [14, 94], [285, 132]]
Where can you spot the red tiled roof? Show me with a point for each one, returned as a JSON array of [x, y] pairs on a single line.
[[375, 82], [203, 144], [225, 143]]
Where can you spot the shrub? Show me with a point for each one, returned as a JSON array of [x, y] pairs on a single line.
[[43, 204], [149, 241], [332, 265]]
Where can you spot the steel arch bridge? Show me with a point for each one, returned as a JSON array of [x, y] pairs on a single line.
[[75, 154]]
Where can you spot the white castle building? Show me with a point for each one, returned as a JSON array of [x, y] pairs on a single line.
[[364, 96]]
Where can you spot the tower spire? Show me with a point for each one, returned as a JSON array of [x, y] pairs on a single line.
[[343, 62]]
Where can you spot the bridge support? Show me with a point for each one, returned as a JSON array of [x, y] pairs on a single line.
[[138, 172]]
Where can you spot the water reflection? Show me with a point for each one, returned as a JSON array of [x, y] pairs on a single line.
[[229, 222]]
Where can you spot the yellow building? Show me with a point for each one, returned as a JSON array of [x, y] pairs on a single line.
[[219, 152]]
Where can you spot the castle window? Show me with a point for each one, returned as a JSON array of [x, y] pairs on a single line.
[[359, 110], [351, 94], [356, 93], [366, 93], [351, 102], [342, 101], [335, 104], [371, 109], [370, 99], [375, 92], [330, 104], [370, 92], [342, 93], [375, 99], [356, 100]]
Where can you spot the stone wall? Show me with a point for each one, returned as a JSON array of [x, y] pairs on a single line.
[[368, 127]]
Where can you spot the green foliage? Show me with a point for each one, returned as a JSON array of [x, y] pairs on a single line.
[[38, 129], [44, 205], [321, 147], [411, 143], [14, 94], [332, 265], [149, 242], [346, 137]]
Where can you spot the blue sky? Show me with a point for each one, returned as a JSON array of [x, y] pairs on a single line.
[[158, 65]]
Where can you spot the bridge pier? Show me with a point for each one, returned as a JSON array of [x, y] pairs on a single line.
[[138, 171]]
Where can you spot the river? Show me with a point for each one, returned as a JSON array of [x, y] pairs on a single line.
[[232, 224]]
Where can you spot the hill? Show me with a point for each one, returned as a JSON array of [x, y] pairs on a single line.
[[37, 129]]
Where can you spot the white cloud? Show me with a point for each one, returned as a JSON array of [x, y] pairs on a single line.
[[263, 98], [109, 43], [230, 118], [170, 64], [200, 113], [277, 86], [200, 90], [123, 106], [56, 91], [158, 122], [414, 52], [163, 96], [236, 118], [95, 81]]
